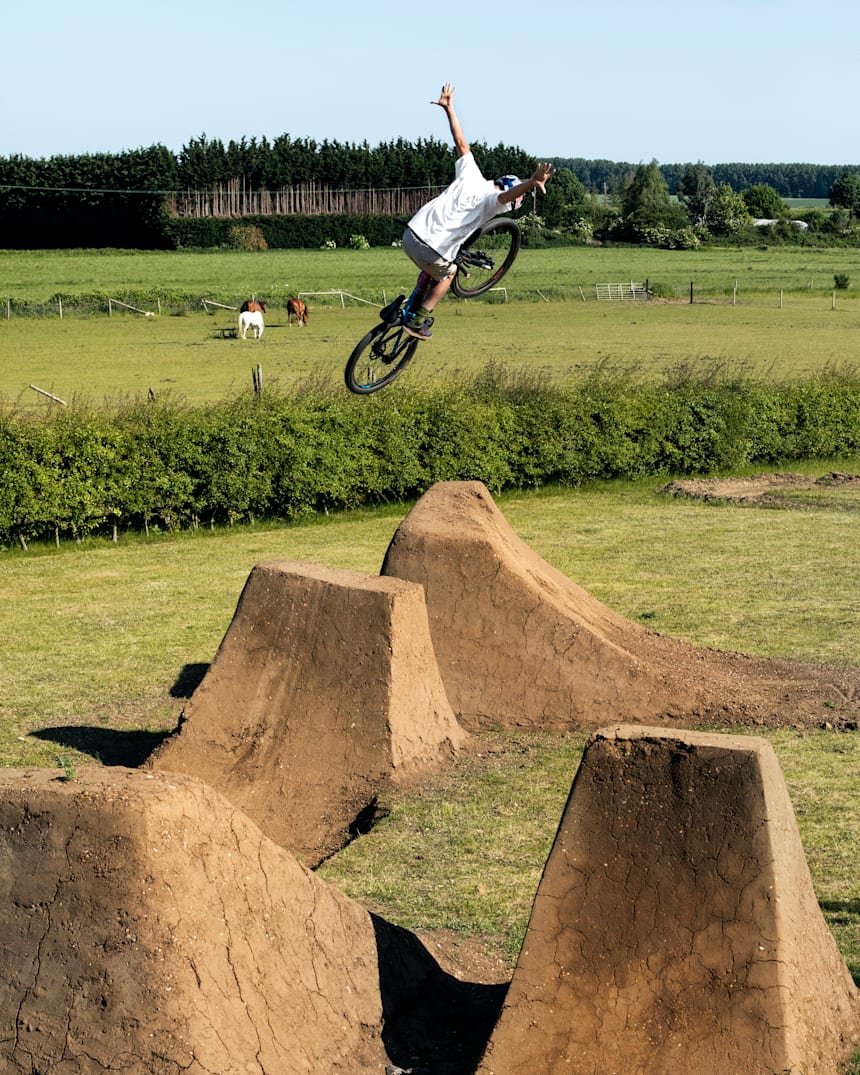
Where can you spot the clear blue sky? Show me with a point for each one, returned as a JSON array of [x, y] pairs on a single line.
[[758, 81]]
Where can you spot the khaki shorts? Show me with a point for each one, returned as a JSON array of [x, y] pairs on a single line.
[[425, 258]]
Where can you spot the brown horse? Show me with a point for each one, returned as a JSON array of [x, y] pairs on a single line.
[[251, 306], [297, 309]]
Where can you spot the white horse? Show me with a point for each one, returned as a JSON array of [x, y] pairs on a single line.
[[251, 319]]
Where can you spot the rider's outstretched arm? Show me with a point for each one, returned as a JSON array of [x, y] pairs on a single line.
[[446, 101]]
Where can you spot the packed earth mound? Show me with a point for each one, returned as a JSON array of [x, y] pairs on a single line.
[[149, 927], [675, 928], [323, 693], [519, 645]]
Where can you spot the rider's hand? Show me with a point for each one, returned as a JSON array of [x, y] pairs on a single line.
[[446, 97], [541, 174]]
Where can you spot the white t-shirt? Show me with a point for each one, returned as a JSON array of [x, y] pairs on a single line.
[[468, 204]]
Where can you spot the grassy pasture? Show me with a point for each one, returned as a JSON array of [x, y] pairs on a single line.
[[126, 355], [274, 274], [188, 355]]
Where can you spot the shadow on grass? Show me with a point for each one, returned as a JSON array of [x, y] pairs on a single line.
[[189, 679], [130, 749], [127, 748]]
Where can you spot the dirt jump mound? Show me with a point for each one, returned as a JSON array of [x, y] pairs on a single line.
[[675, 928], [519, 645], [148, 927], [323, 692]]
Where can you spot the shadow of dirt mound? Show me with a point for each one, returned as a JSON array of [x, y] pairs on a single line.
[[324, 693], [676, 921], [432, 1022], [520, 645], [147, 926], [110, 747]]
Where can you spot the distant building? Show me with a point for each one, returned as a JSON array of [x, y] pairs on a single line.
[[761, 222]]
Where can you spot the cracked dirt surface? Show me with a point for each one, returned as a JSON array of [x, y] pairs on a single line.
[[676, 920], [149, 928], [552, 657], [323, 694]]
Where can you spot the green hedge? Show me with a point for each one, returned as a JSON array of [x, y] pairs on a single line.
[[145, 465], [292, 232]]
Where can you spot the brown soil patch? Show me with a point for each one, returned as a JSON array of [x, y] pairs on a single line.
[[773, 490], [149, 927], [323, 694]]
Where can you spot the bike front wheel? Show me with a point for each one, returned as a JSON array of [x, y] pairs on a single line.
[[378, 358], [485, 258]]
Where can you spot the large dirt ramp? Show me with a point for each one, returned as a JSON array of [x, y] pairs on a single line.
[[323, 692], [148, 927], [675, 928], [520, 645]]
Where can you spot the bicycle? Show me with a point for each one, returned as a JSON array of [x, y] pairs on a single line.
[[387, 349]]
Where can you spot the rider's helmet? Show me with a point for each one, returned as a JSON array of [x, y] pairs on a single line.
[[508, 181]]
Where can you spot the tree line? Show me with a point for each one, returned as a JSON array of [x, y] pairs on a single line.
[[138, 198], [788, 180]]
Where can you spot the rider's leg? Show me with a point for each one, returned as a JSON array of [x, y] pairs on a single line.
[[437, 291]]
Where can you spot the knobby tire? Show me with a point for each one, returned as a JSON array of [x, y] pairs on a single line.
[[378, 358]]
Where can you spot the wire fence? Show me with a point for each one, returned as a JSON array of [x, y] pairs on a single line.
[[149, 306]]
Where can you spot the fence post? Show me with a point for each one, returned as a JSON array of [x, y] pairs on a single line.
[[691, 292]]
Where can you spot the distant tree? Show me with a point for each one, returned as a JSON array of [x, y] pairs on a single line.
[[845, 193], [727, 211], [762, 201], [646, 202], [565, 202], [695, 189]]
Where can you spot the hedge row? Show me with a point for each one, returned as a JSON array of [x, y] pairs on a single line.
[[145, 465], [294, 232]]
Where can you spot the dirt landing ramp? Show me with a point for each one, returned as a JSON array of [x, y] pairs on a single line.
[[324, 690], [675, 928], [521, 645], [148, 927]]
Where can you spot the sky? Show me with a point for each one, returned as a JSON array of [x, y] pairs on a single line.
[[755, 81]]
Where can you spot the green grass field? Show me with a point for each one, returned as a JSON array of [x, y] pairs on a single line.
[[97, 635], [36, 276], [188, 357], [544, 326]]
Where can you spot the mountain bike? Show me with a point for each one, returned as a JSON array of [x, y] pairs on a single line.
[[387, 349]]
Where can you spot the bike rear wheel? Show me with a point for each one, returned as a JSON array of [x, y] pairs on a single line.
[[378, 358], [485, 258]]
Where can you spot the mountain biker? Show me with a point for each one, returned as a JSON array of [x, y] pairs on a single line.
[[435, 233]]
